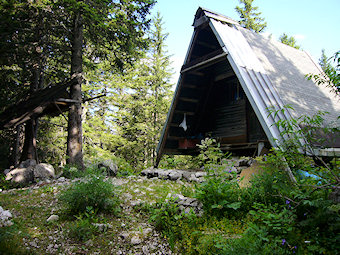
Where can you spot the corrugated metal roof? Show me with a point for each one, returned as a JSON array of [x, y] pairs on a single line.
[[253, 78], [286, 67]]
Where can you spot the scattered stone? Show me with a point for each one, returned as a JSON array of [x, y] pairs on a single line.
[[136, 203], [200, 174], [233, 170], [187, 175], [136, 240], [127, 196], [145, 249], [163, 174], [102, 227], [147, 231], [175, 175], [186, 204], [124, 235], [33, 244], [52, 218], [61, 179], [5, 218], [31, 173]]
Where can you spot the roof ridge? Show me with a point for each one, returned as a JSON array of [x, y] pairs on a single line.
[[215, 15]]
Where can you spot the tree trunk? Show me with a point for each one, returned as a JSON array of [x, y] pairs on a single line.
[[29, 150], [74, 138]]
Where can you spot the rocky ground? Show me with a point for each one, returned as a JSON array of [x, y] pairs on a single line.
[[43, 229], [128, 233]]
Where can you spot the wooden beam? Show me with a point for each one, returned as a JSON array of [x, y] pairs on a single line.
[[207, 45], [187, 99], [204, 61], [226, 75], [186, 112], [192, 86], [66, 100]]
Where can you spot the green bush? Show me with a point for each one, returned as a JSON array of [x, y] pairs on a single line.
[[168, 219], [71, 172], [5, 184], [93, 192], [219, 195], [179, 162], [82, 229], [10, 241], [252, 243]]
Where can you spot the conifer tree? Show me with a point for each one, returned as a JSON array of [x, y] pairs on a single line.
[[82, 34], [144, 101], [289, 40], [250, 19]]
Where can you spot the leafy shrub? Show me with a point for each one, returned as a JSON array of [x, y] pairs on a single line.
[[189, 234], [5, 184], [179, 162], [220, 196], [72, 172], [93, 192], [187, 190], [10, 242], [252, 243], [124, 168], [168, 219], [220, 193], [82, 229]]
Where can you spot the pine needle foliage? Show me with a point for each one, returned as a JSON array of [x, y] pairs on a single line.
[[250, 18]]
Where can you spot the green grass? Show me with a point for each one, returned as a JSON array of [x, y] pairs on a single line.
[[32, 207]]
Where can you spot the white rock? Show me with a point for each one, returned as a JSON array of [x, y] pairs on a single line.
[[147, 231], [174, 175], [200, 174], [53, 217], [27, 163], [102, 227], [124, 235], [5, 216], [21, 175], [135, 240], [43, 171], [62, 179]]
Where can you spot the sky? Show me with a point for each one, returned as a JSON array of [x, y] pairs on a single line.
[[313, 23]]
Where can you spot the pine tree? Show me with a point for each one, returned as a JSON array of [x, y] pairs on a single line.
[[144, 101], [332, 71], [28, 49], [324, 61], [107, 30], [289, 40], [250, 19], [74, 35]]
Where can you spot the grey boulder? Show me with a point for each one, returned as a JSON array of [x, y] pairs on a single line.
[[110, 167]]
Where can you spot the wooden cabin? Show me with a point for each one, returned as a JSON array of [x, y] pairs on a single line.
[[229, 79]]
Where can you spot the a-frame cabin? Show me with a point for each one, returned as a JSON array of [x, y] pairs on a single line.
[[229, 79]]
